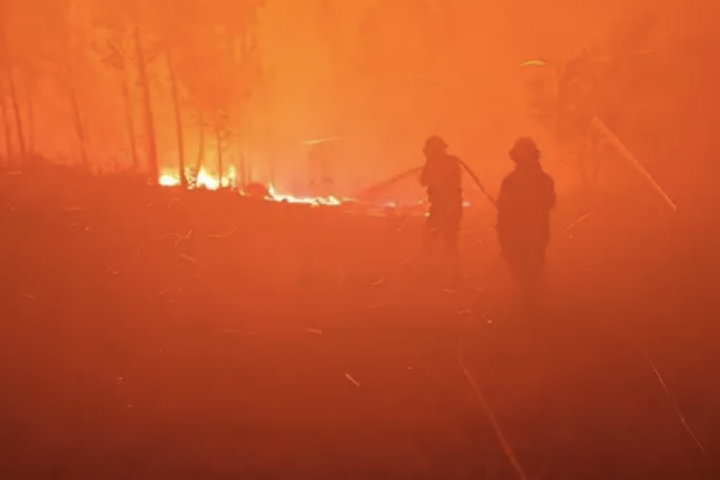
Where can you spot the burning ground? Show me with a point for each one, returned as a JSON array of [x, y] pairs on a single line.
[[161, 333]]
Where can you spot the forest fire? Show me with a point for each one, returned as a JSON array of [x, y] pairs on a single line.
[[202, 180], [208, 181], [279, 197]]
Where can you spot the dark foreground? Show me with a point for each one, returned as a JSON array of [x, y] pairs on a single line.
[[144, 335]]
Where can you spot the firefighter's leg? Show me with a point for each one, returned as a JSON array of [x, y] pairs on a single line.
[[451, 244], [534, 288], [516, 297], [451, 234], [451, 239], [517, 259], [527, 268], [517, 270], [432, 237]]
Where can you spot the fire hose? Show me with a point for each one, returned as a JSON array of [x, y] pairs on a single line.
[[380, 187]]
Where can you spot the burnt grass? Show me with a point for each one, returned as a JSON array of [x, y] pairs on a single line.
[[161, 334]]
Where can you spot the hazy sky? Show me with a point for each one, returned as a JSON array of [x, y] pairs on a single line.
[[384, 74], [434, 67]]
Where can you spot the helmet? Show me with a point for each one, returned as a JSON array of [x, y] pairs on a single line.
[[435, 144], [525, 150]]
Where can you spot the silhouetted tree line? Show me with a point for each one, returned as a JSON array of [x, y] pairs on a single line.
[[203, 52]]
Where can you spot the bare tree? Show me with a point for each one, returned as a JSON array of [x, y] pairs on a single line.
[[175, 33], [178, 118], [6, 124], [133, 18], [113, 54], [9, 77], [201, 144], [45, 42], [151, 138], [216, 69]]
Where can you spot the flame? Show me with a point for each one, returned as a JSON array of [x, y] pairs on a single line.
[[209, 181], [203, 180], [282, 197]]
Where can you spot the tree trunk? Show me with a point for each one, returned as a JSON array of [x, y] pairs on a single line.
[[31, 119], [178, 120], [13, 93], [130, 122], [249, 169], [16, 109], [242, 174], [201, 149], [219, 156], [6, 125], [153, 167], [79, 127], [77, 117], [238, 184], [239, 181]]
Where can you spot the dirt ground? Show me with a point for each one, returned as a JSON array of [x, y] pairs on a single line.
[[158, 335]]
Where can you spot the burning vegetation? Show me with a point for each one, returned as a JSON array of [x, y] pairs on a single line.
[[205, 180]]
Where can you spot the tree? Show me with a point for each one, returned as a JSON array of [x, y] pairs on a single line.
[[43, 39], [142, 65], [192, 71], [130, 17], [6, 124], [247, 74], [178, 117], [114, 56], [217, 69], [176, 32], [30, 81], [8, 74]]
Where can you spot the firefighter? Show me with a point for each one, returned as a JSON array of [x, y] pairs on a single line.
[[442, 177], [526, 198]]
